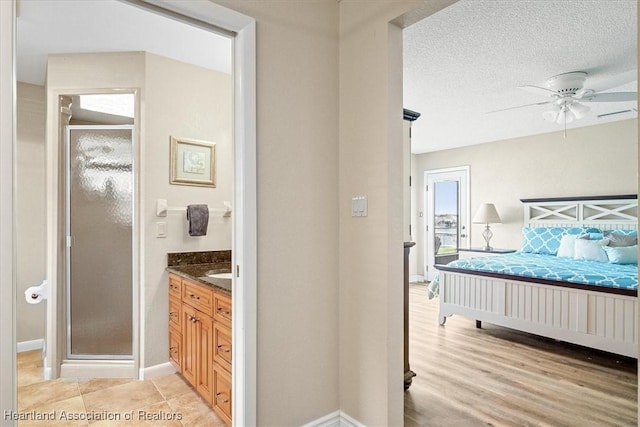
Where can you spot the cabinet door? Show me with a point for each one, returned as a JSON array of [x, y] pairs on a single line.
[[222, 349], [175, 313], [189, 344], [222, 394], [175, 286], [204, 373], [222, 308], [175, 348]]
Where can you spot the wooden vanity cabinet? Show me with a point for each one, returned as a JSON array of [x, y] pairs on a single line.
[[200, 340]]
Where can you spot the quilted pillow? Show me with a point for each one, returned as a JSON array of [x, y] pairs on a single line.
[[622, 255], [545, 240], [591, 250]]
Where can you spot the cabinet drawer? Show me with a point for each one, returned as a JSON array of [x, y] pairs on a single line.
[[175, 349], [175, 312], [222, 394], [198, 297], [222, 349], [175, 286], [222, 308]]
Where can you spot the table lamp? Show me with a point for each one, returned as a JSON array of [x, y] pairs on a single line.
[[487, 214]]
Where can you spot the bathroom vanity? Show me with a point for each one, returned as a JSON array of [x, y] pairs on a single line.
[[200, 343]]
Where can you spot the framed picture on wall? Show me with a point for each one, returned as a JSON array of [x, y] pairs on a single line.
[[193, 162]]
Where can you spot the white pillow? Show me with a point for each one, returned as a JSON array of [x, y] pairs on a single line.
[[591, 250], [567, 244], [622, 254]]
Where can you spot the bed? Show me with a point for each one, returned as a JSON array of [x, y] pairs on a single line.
[[587, 301]]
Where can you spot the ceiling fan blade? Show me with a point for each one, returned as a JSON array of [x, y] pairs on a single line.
[[610, 97], [520, 106], [583, 93], [539, 90], [602, 80]]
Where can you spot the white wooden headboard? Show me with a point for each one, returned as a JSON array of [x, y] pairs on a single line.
[[603, 212]]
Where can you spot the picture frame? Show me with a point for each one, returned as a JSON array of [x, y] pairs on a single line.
[[193, 162]]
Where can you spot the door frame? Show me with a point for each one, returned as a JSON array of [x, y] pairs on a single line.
[[245, 207], [430, 176]]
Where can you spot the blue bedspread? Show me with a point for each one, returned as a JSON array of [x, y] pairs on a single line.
[[551, 267]]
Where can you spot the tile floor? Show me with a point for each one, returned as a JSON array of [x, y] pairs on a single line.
[[165, 401]]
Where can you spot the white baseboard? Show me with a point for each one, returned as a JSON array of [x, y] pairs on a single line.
[[30, 345], [97, 369], [331, 420], [347, 421], [156, 371], [335, 419], [416, 278]]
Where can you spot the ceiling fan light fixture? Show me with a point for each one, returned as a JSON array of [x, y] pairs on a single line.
[[579, 110]]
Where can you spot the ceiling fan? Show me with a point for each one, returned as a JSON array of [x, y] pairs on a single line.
[[568, 95]]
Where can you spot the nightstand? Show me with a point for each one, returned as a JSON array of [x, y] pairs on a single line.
[[480, 251]]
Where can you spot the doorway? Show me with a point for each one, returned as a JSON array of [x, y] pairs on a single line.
[[242, 29], [447, 223]]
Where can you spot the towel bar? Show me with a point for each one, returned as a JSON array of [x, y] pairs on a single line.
[[162, 208]]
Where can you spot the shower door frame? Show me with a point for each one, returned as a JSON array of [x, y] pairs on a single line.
[[69, 238]]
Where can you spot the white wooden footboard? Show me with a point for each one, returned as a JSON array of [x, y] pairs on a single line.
[[598, 320]]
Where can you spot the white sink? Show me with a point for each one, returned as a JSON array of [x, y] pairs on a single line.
[[220, 275]]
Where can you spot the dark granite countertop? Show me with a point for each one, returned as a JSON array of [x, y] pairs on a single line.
[[197, 273]]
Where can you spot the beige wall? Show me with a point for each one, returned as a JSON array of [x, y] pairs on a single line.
[[30, 209], [187, 101], [592, 161], [371, 248], [342, 340], [297, 185]]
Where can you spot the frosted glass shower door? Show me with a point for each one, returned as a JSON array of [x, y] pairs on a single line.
[[99, 242]]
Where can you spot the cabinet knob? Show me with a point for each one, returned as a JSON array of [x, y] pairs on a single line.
[[221, 398], [224, 349], [223, 311]]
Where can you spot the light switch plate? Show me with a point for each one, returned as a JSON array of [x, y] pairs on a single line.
[[359, 205], [161, 229]]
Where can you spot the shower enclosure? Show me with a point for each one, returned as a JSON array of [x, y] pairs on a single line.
[[99, 237]]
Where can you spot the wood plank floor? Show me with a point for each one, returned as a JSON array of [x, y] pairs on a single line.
[[495, 376]]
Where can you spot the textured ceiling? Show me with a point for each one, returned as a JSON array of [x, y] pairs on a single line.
[[460, 63], [72, 26], [470, 58]]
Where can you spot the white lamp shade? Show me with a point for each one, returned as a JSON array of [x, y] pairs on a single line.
[[486, 214]]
